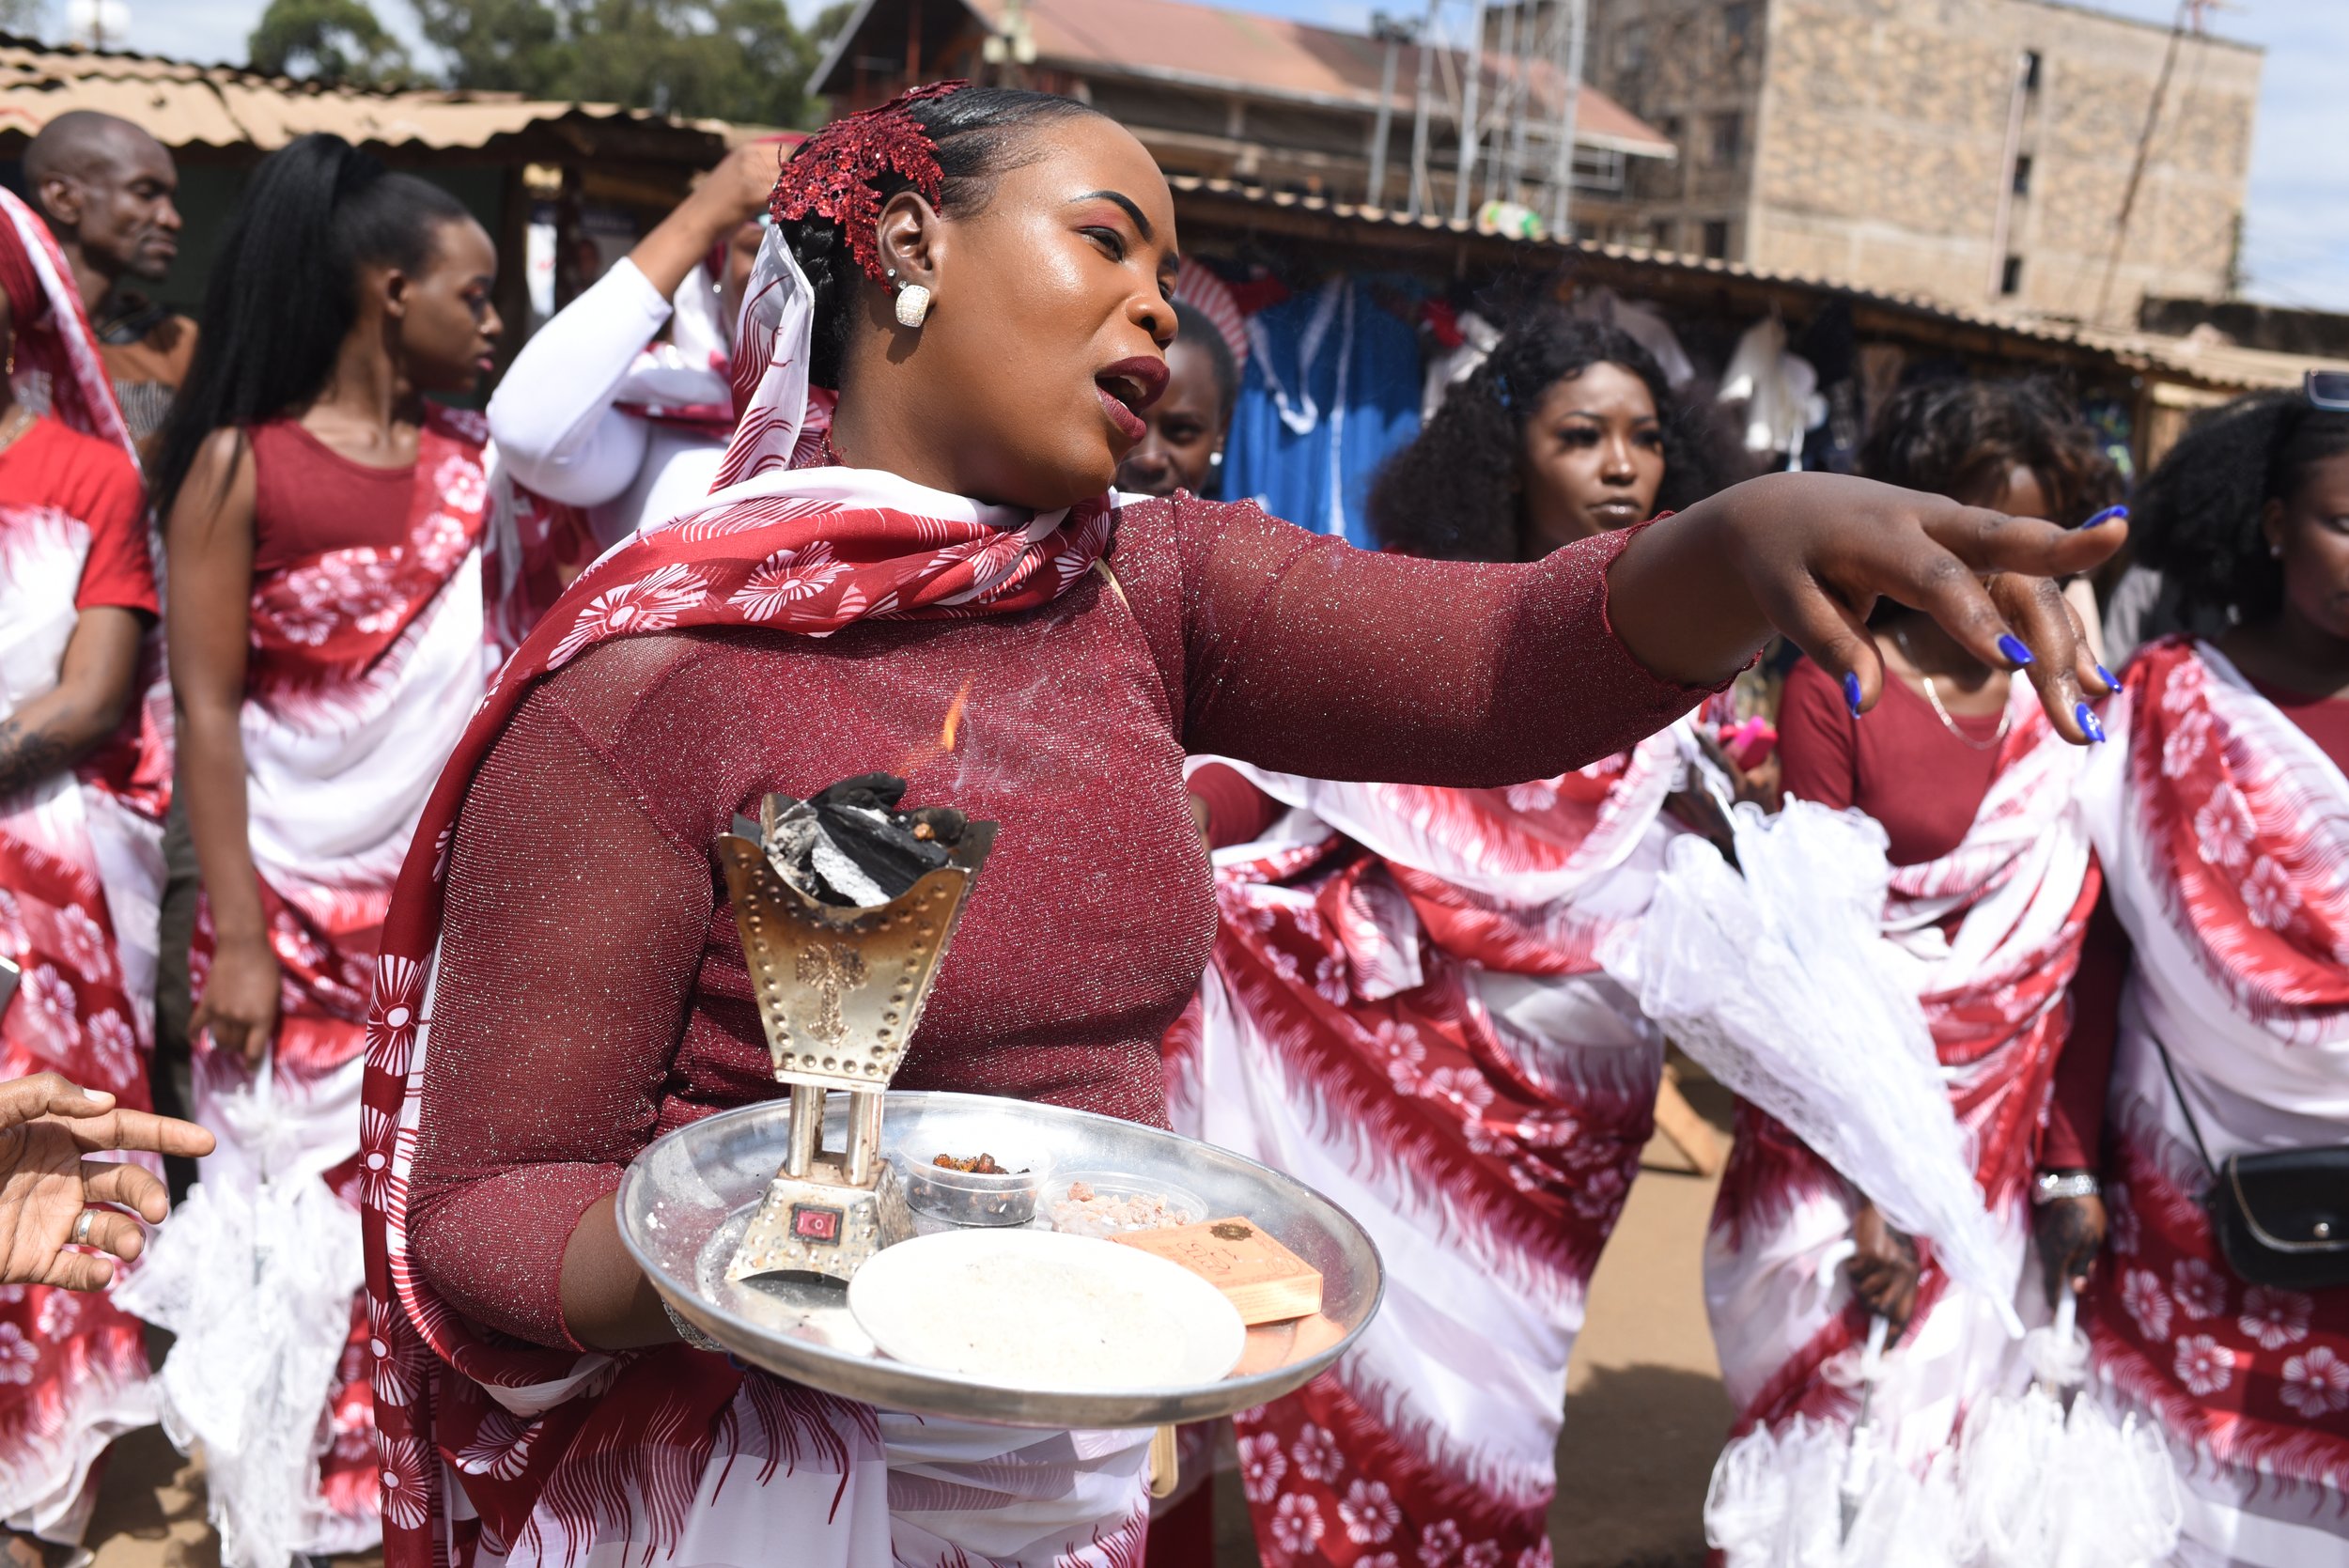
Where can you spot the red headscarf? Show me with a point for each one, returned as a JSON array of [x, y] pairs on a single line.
[[54, 340]]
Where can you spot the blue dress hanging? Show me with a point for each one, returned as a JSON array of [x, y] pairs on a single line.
[[1330, 391]]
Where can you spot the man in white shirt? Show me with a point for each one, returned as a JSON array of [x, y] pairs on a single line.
[[594, 413]]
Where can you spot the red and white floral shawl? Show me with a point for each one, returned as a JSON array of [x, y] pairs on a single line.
[[1405, 1011], [490, 1447], [1988, 936], [2225, 832], [81, 869]]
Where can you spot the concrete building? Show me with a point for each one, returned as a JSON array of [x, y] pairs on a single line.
[[1975, 150], [1227, 94]]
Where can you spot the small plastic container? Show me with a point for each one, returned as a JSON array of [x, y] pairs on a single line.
[[1117, 1204], [965, 1198]]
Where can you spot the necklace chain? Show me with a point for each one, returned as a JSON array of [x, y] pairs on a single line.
[[1933, 695]]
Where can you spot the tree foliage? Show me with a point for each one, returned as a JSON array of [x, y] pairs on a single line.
[[329, 40], [742, 60]]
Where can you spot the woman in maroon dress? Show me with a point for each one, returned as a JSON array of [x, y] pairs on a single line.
[[984, 276], [1990, 889]]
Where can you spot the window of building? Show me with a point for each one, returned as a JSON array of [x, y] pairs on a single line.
[[1716, 238], [1630, 47], [2031, 63], [2022, 175], [1729, 139], [2011, 277], [1672, 126], [1660, 234], [1737, 28]]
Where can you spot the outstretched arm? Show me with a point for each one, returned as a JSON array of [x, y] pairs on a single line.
[[1306, 656], [1808, 554]]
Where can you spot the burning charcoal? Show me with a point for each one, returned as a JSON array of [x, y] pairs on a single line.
[[850, 846]]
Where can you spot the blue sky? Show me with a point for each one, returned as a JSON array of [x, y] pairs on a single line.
[[2296, 246]]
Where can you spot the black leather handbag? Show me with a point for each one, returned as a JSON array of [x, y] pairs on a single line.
[[2282, 1216]]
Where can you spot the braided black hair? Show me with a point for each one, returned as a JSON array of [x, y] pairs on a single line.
[[1453, 494], [1959, 437], [980, 134], [2197, 519]]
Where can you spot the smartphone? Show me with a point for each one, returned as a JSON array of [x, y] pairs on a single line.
[[2328, 389]]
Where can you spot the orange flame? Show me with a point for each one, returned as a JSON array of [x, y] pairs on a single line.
[[948, 734], [953, 727]]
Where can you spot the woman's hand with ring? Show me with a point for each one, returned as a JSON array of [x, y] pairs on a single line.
[[52, 1198]]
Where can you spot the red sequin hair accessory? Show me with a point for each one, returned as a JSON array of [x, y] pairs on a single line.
[[831, 174]]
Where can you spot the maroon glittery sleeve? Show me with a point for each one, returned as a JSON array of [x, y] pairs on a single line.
[[1310, 656], [557, 1018]]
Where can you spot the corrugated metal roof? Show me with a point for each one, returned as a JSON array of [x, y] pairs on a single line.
[[183, 104], [2191, 360], [1175, 40]]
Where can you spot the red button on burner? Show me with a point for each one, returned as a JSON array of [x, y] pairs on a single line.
[[810, 1223]]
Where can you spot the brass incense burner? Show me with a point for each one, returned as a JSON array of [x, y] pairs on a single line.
[[840, 991]]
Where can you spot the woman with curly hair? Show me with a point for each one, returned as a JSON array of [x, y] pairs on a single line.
[[1406, 1008], [2221, 813], [1567, 429], [1990, 889]]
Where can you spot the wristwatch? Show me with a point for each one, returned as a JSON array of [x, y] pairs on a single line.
[[2049, 1186]]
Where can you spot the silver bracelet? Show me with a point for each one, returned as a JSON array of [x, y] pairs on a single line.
[[2050, 1186], [691, 1335]]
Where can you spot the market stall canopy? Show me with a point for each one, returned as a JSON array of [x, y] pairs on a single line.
[[183, 105], [2183, 372]]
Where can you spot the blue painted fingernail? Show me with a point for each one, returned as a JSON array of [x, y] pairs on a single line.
[[2112, 682], [2110, 514], [2089, 725], [2012, 647], [1851, 693]]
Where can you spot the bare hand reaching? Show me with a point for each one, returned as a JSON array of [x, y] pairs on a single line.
[[1810, 554], [47, 1126], [2071, 1232], [1883, 1270]]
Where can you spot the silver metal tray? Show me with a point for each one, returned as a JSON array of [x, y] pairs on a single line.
[[685, 1201]]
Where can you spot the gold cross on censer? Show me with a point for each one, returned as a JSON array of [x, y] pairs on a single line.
[[840, 990]]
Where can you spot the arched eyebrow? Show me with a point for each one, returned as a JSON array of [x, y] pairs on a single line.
[[1127, 204]]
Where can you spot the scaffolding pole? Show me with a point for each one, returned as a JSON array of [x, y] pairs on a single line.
[[1561, 192], [1511, 86], [1472, 87], [1418, 110], [1521, 105], [1393, 34]]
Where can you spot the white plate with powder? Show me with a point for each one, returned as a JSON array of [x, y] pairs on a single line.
[[1034, 1310]]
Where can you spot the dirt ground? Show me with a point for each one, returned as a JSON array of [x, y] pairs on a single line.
[[1645, 1415]]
